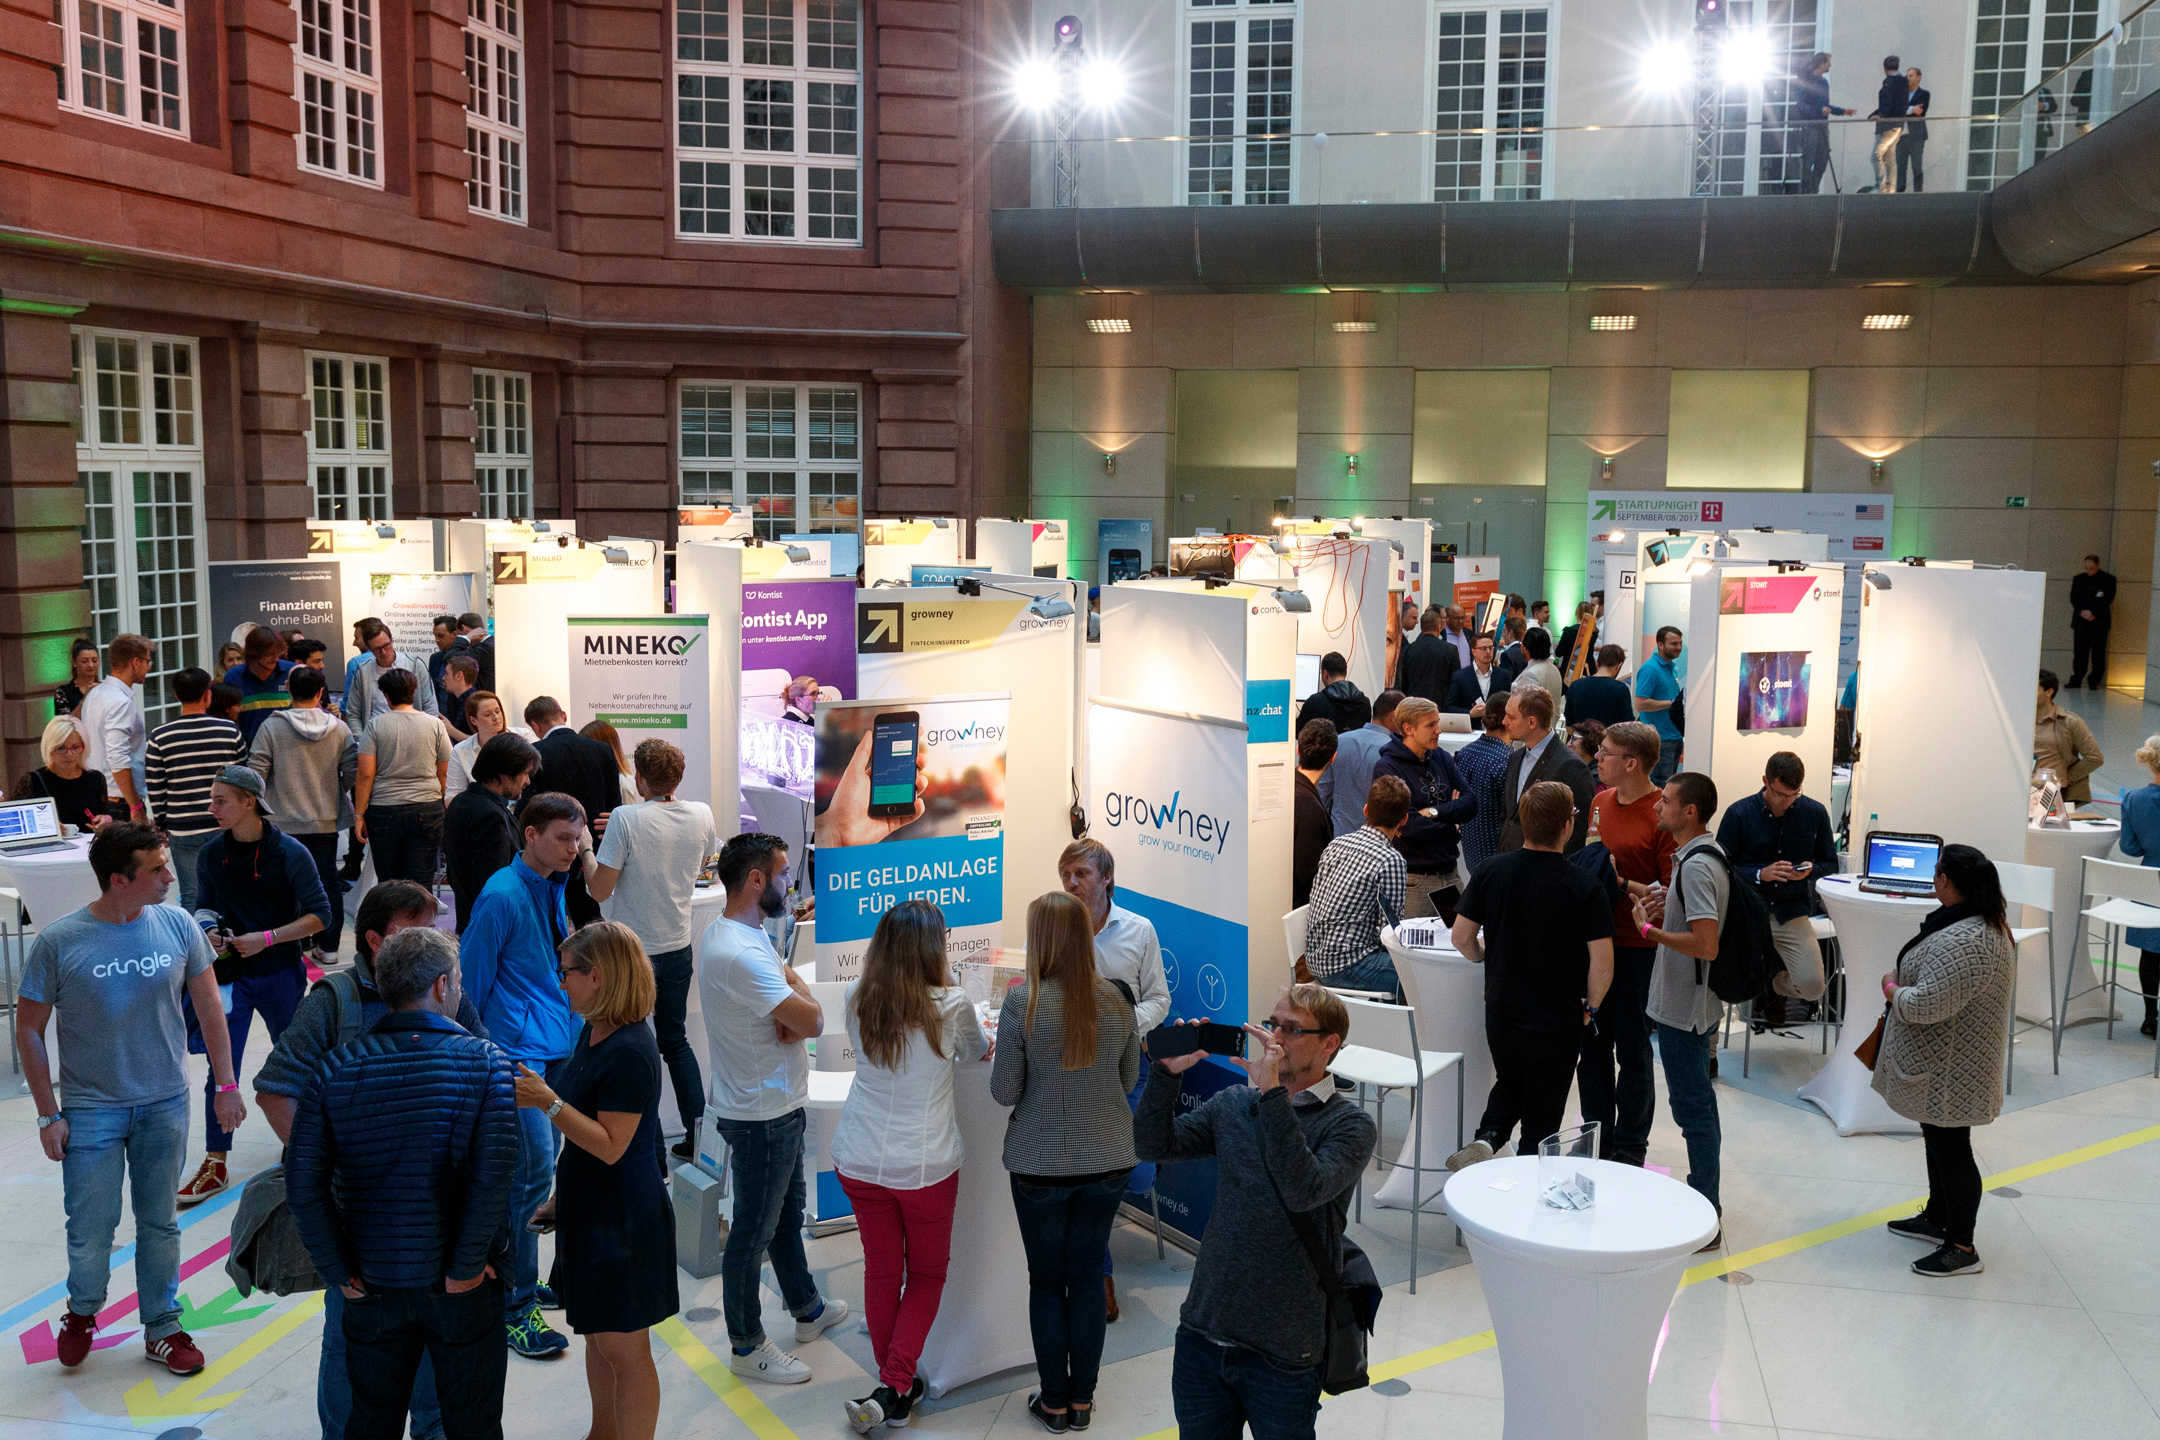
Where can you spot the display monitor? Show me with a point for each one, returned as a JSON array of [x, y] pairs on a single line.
[[1774, 689]]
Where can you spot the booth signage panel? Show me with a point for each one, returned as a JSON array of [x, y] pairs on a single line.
[[1476, 578], [408, 604], [906, 626], [282, 594], [1267, 711], [1124, 549], [647, 676], [792, 628]]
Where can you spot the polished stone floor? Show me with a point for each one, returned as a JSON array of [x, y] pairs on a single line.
[[1810, 1324]]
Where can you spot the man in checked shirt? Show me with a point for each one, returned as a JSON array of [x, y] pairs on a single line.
[[1359, 887]]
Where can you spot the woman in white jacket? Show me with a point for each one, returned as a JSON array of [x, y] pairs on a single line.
[[897, 1147]]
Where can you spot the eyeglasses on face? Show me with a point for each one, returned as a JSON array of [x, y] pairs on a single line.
[[1284, 1027], [564, 972]]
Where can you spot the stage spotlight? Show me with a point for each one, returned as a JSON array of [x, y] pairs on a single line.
[[1102, 84], [1034, 83], [1667, 66], [1746, 56]]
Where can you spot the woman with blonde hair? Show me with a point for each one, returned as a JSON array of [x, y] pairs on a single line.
[[614, 1230], [798, 699], [897, 1147], [2141, 840], [1068, 1054], [77, 792]]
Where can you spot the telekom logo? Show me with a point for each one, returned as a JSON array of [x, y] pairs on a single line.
[[1713, 511]]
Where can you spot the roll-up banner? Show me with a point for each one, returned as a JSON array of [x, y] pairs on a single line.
[[1170, 798], [646, 675], [303, 595], [408, 604], [1124, 549], [910, 806], [791, 630]]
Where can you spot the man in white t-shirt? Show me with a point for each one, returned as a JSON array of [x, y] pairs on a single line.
[[758, 1013], [669, 840]]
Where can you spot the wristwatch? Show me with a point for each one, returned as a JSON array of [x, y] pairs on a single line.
[[555, 1109], [47, 1121]]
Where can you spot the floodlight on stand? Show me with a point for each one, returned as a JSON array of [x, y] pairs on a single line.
[[1698, 567], [1877, 579], [1279, 545], [798, 554], [540, 527], [615, 554], [562, 542], [1297, 602], [1213, 582], [386, 532], [1050, 607]]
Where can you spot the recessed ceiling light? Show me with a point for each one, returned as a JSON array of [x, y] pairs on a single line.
[[1612, 322], [1110, 325], [1886, 322], [1356, 327]]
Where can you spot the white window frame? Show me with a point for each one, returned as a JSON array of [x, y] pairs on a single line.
[[724, 172], [750, 469], [143, 495], [151, 39], [346, 84], [502, 444], [1243, 14], [495, 93], [348, 438], [1987, 165], [1764, 112], [1488, 145]]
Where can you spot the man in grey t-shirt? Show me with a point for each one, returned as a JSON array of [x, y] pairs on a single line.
[[404, 763], [1683, 923], [114, 971]]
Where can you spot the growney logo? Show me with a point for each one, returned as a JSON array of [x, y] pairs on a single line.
[[975, 731], [1178, 820]]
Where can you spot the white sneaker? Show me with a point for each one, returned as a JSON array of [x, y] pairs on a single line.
[[834, 1312], [770, 1364], [1476, 1152]]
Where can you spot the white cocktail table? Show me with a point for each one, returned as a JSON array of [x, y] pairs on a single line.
[[1576, 1297], [1871, 929], [2064, 851]]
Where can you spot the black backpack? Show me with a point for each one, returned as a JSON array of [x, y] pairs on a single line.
[[1747, 959]]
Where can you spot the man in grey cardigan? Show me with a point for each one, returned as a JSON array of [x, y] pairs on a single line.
[[307, 758], [1253, 1329]]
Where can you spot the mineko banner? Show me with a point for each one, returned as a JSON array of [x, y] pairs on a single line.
[[647, 676], [910, 806]]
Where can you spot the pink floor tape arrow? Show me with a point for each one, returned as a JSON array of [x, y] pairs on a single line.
[[40, 1343]]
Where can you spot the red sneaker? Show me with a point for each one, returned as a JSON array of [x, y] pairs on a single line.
[[76, 1333], [175, 1352], [209, 1180]]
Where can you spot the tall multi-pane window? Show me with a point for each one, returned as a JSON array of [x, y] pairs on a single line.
[[495, 108], [349, 439], [768, 121], [502, 444], [790, 455], [1241, 89], [139, 460], [1490, 78], [339, 65], [124, 60], [2018, 45], [1753, 145]]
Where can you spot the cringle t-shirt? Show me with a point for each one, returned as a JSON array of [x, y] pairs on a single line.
[[658, 845], [1540, 914], [740, 984], [116, 989]]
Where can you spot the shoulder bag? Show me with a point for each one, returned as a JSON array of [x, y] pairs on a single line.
[[1351, 1310]]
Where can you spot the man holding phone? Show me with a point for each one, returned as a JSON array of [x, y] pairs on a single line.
[[1781, 841]]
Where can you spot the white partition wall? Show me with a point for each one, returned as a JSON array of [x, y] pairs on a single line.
[[1763, 673], [471, 540], [1348, 584], [1945, 715], [538, 589], [363, 548], [708, 581], [1415, 537], [1768, 544], [1618, 625], [892, 548]]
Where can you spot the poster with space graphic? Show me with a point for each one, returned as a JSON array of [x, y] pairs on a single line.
[[1773, 689]]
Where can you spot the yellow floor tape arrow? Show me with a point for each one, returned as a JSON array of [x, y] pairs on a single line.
[[711, 1369], [187, 1398]]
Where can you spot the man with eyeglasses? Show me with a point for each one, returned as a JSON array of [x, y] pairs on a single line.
[[1781, 841], [1253, 1329], [1542, 928], [363, 700]]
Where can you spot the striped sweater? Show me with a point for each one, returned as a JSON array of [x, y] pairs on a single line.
[[180, 761]]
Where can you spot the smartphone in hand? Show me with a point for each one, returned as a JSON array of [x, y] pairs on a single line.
[[1167, 1042]]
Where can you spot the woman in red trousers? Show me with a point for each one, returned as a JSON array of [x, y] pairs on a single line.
[[897, 1146]]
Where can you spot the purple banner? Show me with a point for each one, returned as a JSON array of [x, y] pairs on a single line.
[[793, 630]]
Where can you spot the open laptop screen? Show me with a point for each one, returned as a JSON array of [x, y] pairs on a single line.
[[29, 820], [1902, 857]]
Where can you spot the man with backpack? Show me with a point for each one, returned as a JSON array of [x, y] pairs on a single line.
[[1684, 923], [341, 1008]]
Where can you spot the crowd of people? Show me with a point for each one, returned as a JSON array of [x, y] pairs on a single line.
[[479, 1077]]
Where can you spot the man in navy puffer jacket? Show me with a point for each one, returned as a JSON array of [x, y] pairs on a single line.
[[399, 1177]]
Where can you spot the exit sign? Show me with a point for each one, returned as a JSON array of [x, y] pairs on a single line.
[[2013, 502]]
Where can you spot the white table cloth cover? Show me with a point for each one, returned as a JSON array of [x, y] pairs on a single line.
[[55, 883], [1448, 993], [1577, 1297], [2065, 851], [982, 1326], [1871, 929]]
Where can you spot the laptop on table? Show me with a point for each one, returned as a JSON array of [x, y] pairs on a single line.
[[1901, 864]]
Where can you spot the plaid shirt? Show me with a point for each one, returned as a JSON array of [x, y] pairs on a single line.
[[1482, 764], [1342, 924]]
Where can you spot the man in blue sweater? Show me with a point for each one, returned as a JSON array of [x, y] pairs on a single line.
[[399, 1175], [509, 959]]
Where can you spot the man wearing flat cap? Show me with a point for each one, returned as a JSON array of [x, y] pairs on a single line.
[[257, 896]]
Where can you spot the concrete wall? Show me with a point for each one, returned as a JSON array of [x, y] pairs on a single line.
[[2048, 393]]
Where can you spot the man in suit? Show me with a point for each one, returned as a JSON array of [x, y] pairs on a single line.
[[1542, 756], [1912, 145], [583, 769], [1429, 662], [1344, 785], [2091, 596], [1512, 654], [1477, 683]]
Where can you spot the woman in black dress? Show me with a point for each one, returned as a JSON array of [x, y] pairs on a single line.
[[614, 1230], [77, 792]]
